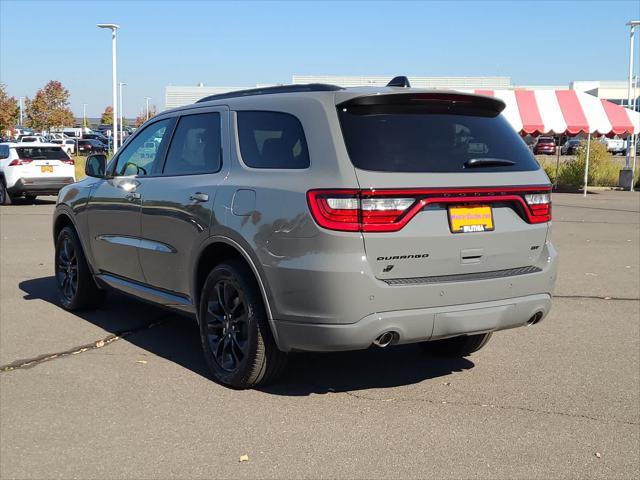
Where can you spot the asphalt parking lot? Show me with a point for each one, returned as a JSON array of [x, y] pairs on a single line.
[[560, 399]]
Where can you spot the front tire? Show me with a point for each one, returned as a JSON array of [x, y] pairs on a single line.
[[77, 289], [461, 346], [237, 342]]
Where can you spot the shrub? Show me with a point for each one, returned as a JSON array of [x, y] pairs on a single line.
[[549, 168], [603, 171]]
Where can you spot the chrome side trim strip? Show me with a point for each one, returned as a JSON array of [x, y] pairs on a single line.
[[137, 243]]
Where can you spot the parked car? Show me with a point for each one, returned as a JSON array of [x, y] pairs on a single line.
[[87, 147], [96, 136], [615, 146], [545, 146], [570, 147], [317, 218], [67, 145], [32, 139], [32, 169]]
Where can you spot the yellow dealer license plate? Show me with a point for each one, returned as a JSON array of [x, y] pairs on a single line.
[[472, 218], [46, 169]]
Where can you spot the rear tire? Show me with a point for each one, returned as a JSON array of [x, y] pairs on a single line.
[[76, 287], [461, 346], [5, 198], [237, 342]]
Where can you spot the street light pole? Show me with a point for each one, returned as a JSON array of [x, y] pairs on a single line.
[[634, 137], [147, 103], [84, 116], [633, 24], [21, 114], [113, 27], [121, 115]]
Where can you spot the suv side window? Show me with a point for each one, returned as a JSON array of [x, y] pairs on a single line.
[[140, 155], [272, 140], [4, 152], [196, 146]]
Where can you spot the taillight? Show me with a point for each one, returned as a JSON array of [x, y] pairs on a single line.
[[351, 210], [358, 210], [540, 206], [69, 161], [20, 161]]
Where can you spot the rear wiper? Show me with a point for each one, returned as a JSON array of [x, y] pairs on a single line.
[[488, 162]]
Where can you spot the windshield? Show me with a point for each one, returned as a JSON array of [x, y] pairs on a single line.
[[41, 153], [422, 141]]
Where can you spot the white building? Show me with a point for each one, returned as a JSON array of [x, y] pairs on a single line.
[[489, 83], [176, 96]]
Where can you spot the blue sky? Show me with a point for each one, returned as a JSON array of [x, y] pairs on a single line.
[[244, 43]]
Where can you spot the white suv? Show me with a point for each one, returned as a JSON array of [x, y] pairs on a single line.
[[32, 169]]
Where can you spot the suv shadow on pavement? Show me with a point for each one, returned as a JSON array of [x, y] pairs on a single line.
[[176, 339]]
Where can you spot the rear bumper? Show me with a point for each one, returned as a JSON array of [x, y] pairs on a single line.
[[40, 186], [417, 325]]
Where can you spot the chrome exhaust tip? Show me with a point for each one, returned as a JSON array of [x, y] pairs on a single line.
[[535, 319], [384, 340]]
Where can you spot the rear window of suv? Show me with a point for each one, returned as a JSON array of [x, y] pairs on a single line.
[[42, 153], [430, 137], [272, 140]]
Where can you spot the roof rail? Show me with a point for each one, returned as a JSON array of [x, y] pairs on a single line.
[[309, 87]]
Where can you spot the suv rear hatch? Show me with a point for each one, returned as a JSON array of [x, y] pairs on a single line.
[[447, 187], [42, 161]]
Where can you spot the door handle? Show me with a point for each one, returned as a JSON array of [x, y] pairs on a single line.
[[133, 196], [199, 197]]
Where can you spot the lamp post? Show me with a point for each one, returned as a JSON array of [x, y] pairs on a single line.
[[113, 27], [628, 169], [147, 107], [84, 115], [121, 115], [21, 114], [634, 137]]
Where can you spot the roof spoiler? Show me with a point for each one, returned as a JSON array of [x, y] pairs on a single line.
[[422, 101]]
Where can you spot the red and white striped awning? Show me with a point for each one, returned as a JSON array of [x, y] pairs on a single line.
[[564, 112]]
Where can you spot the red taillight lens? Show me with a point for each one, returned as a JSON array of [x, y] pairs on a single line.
[[335, 209], [540, 206], [20, 161], [354, 210], [390, 210]]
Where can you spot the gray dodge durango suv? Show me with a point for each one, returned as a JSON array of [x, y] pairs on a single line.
[[317, 218]]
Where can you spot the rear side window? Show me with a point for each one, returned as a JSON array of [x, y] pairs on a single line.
[[196, 146], [4, 151], [395, 139], [41, 153], [272, 140]]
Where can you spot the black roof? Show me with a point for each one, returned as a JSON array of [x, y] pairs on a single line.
[[309, 87]]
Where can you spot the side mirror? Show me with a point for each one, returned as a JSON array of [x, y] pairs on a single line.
[[96, 166]]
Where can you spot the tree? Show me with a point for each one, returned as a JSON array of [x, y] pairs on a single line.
[[140, 119], [49, 108], [9, 110], [107, 116]]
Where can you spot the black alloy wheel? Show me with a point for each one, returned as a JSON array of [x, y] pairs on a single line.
[[235, 334], [67, 270], [77, 288], [227, 325]]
